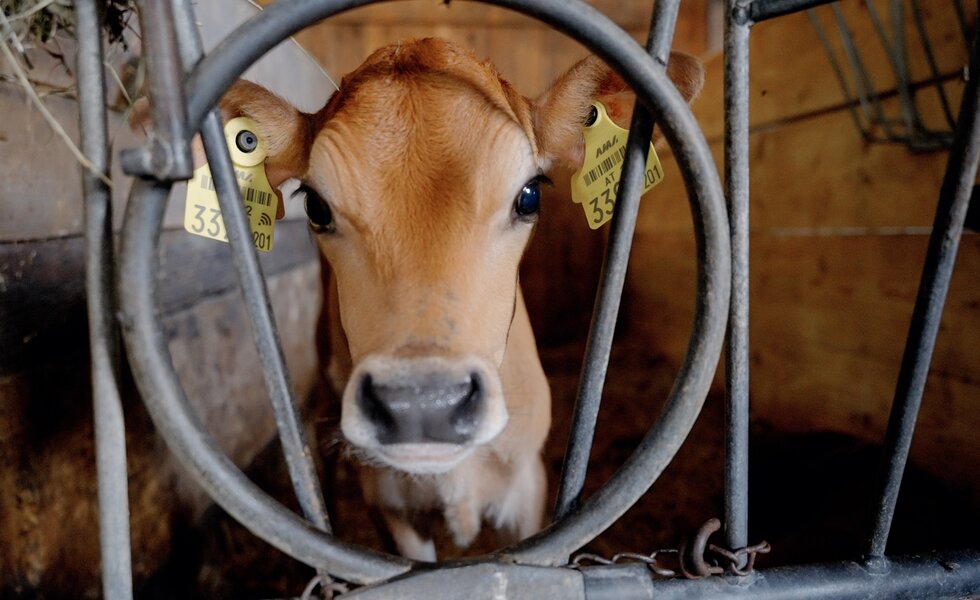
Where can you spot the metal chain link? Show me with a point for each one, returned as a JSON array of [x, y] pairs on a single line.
[[695, 559], [328, 588]]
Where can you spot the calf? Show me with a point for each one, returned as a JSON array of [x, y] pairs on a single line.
[[421, 178]]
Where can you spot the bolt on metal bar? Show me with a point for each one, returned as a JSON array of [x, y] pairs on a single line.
[[736, 100], [954, 199], [299, 459], [104, 342], [166, 155], [612, 277], [762, 10]]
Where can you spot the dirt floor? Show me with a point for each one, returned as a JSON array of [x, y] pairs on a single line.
[[809, 494]]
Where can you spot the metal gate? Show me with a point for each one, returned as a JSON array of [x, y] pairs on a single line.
[[186, 86]]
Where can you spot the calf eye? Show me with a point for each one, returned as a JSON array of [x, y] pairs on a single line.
[[317, 210], [529, 199]]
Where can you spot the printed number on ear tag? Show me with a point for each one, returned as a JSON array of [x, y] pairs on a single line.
[[202, 214], [596, 184]]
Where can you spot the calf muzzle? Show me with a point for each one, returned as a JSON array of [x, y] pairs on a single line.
[[427, 407]]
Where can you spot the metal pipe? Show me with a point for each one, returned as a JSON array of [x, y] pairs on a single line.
[[735, 526], [838, 73], [166, 155], [954, 199], [613, 277], [110, 427], [761, 10], [939, 575], [933, 575], [299, 458]]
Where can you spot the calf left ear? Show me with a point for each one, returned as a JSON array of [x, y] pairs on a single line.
[[560, 113]]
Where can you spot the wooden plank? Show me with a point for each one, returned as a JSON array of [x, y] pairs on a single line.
[[817, 172], [791, 75]]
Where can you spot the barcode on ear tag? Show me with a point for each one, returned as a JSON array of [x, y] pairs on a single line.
[[596, 183], [202, 213]]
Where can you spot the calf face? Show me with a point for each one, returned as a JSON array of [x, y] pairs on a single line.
[[422, 180]]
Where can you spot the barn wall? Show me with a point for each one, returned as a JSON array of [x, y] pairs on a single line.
[[839, 230]]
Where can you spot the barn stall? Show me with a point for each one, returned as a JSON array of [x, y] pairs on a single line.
[[840, 223]]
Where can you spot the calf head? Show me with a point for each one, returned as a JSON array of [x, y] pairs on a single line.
[[422, 180]]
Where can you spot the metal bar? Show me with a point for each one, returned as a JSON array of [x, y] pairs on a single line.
[[839, 73], [167, 152], [920, 27], [862, 80], [895, 51], [954, 199], [961, 19], [939, 575], [735, 528], [299, 458], [110, 427], [761, 10], [612, 278]]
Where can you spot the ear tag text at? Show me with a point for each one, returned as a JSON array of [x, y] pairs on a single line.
[[596, 184], [202, 214]]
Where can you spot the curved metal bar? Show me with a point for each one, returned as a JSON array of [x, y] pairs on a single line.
[[233, 491], [186, 436]]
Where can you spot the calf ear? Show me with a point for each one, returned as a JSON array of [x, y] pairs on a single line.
[[560, 113], [286, 132]]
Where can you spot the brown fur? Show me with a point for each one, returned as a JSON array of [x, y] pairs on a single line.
[[420, 156]]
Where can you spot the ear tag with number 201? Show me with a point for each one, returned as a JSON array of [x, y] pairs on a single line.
[[596, 184], [202, 214]]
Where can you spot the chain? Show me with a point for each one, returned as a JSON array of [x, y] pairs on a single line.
[[695, 559], [328, 588]]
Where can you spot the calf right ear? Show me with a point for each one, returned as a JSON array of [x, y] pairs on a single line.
[[286, 132]]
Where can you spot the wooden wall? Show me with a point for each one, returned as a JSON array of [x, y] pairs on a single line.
[[839, 229]]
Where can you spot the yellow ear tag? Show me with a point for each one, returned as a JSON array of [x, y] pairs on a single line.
[[595, 185], [202, 214]]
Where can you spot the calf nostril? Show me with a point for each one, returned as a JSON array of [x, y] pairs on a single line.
[[374, 408], [466, 414]]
